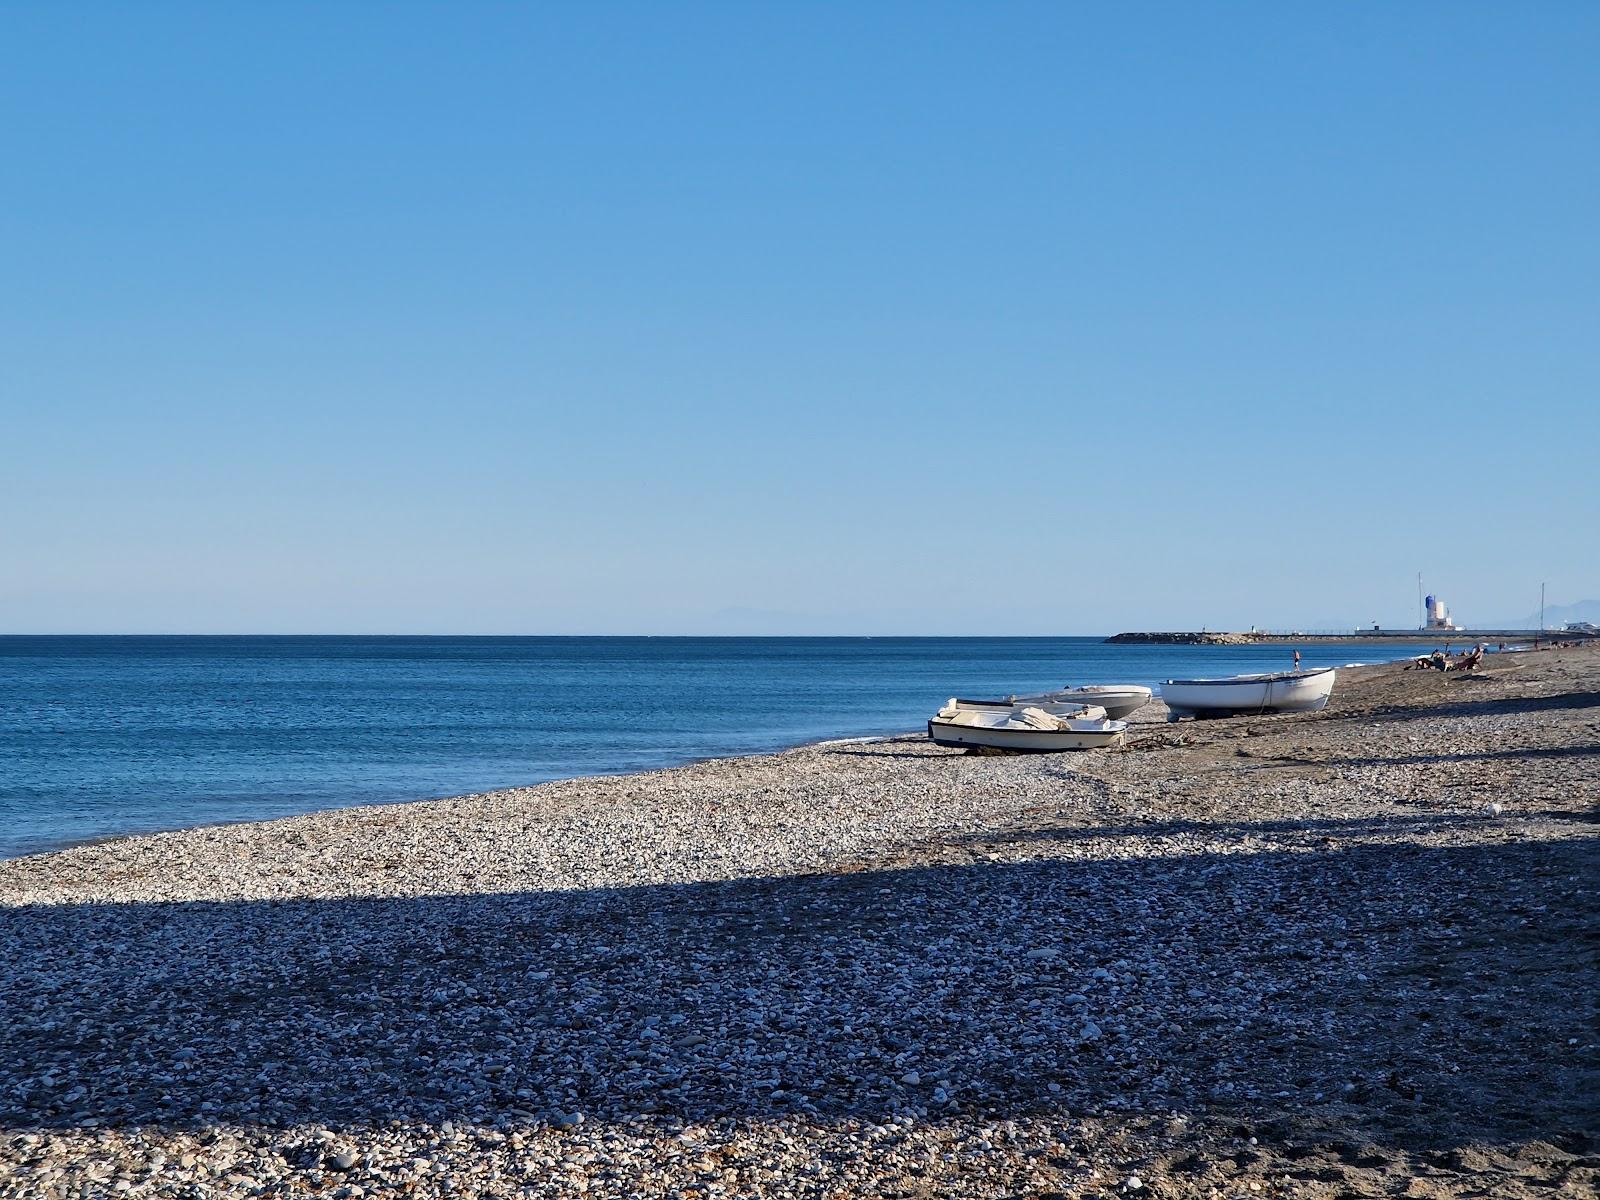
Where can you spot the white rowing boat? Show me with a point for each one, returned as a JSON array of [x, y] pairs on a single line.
[[1285, 691], [1081, 712], [1023, 728], [1117, 699]]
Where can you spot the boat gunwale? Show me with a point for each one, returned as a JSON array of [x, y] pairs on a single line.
[[1099, 690], [1249, 680]]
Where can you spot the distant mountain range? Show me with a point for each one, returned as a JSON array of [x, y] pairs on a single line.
[[1556, 615]]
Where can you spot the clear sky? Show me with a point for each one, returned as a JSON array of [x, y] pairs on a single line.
[[874, 318]]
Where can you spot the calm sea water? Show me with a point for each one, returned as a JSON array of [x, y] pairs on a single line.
[[111, 735]]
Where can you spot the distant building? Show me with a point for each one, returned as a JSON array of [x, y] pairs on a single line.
[[1438, 616]]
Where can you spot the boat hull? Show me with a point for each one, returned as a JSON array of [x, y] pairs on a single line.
[[1118, 702], [1248, 695], [1029, 741]]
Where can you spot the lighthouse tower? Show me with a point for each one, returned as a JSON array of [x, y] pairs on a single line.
[[1438, 614]]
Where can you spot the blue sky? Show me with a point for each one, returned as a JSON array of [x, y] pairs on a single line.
[[781, 318]]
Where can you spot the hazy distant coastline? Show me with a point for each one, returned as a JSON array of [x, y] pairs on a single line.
[[1397, 636]]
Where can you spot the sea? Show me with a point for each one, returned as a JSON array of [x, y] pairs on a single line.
[[103, 736]]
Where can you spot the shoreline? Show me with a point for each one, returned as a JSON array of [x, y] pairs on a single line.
[[668, 762], [1148, 720], [364, 805], [1292, 952]]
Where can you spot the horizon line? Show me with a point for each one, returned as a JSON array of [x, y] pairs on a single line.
[[82, 633]]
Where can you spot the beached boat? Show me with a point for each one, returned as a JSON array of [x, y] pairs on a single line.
[[1118, 699], [1080, 712], [1285, 691], [1022, 729]]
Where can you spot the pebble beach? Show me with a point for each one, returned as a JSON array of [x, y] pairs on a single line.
[[1347, 953]]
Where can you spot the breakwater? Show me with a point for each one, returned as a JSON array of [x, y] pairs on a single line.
[[1427, 636]]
